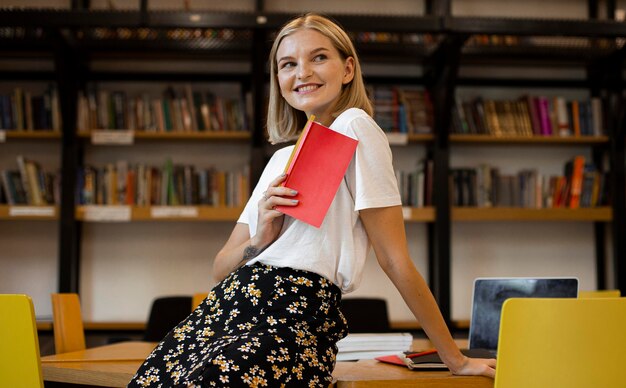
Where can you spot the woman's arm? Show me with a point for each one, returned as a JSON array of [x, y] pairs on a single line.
[[240, 247], [231, 256], [385, 229]]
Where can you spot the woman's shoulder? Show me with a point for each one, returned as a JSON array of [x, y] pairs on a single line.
[[356, 123], [282, 153], [350, 115]]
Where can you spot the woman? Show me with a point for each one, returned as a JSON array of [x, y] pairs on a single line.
[[274, 318]]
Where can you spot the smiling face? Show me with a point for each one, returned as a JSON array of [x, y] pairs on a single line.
[[311, 73]]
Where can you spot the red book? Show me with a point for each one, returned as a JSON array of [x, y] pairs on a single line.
[[315, 169], [576, 182]]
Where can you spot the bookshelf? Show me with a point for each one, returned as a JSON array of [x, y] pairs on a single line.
[[534, 140], [598, 214], [441, 44], [158, 213], [31, 213], [43, 135]]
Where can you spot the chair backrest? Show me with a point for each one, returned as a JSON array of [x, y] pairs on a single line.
[[572, 343], [67, 323], [20, 365], [366, 315], [165, 313], [198, 298], [599, 294]]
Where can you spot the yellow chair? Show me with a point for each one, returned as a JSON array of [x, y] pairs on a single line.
[[67, 323], [20, 365], [599, 294], [198, 297], [573, 343]]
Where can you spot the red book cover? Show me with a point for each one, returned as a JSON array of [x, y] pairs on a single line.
[[315, 169], [576, 182]]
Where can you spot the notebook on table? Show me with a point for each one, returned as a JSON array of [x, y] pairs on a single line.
[[487, 298]]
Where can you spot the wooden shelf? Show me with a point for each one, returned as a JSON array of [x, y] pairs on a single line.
[[421, 138], [602, 214], [402, 139], [26, 212], [419, 214], [39, 134], [486, 139], [156, 213], [196, 135]]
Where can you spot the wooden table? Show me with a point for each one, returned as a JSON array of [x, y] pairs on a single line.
[[104, 366], [371, 373], [114, 366]]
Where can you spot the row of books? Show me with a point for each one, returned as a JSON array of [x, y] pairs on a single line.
[[581, 185], [391, 37], [402, 109], [23, 110], [215, 34], [183, 110], [485, 40], [416, 186], [529, 116], [21, 33], [121, 183], [29, 184]]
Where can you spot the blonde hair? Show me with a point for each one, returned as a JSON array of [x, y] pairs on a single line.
[[284, 123]]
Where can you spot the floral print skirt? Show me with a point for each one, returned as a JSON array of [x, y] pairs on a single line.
[[262, 326]]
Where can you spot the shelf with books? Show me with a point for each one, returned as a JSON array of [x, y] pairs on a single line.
[[532, 140], [31, 107], [530, 116], [27, 212], [580, 185], [419, 214], [546, 41], [402, 110], [31, 185], [597, 214], [31, 135], [170, 136], [164, 108], [170, 184], [128, 213]]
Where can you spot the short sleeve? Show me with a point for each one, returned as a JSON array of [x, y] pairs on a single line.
[[370, 176]]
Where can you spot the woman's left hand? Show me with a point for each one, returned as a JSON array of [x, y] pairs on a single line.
[[270, 221], [477, 367]]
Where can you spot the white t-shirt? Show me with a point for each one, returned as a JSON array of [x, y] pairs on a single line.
[[338, 249]]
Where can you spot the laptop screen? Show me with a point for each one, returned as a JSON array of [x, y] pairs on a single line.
[[490, 293]]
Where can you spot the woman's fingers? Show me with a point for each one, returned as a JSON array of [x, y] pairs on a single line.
[[276, 195]]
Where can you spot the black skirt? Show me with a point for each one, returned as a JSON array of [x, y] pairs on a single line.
[[262, 326]]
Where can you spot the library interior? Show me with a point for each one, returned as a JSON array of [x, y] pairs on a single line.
[[133, 133]]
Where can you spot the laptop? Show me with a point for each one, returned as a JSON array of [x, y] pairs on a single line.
[[488, 297]]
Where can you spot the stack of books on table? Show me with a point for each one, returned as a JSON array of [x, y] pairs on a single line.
[[371, 345]]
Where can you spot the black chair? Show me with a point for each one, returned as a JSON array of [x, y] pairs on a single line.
[[366, 315], [166, 312]]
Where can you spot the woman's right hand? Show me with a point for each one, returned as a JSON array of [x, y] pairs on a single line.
[[270, 220]]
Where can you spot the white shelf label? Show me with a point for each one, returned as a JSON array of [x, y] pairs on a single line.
[[174, 211], [397, 138], [116, 137], [31, 211], [116, 213], [3, 136], [407, 212]]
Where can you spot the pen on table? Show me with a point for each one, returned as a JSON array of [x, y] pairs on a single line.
[[422, 353]]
